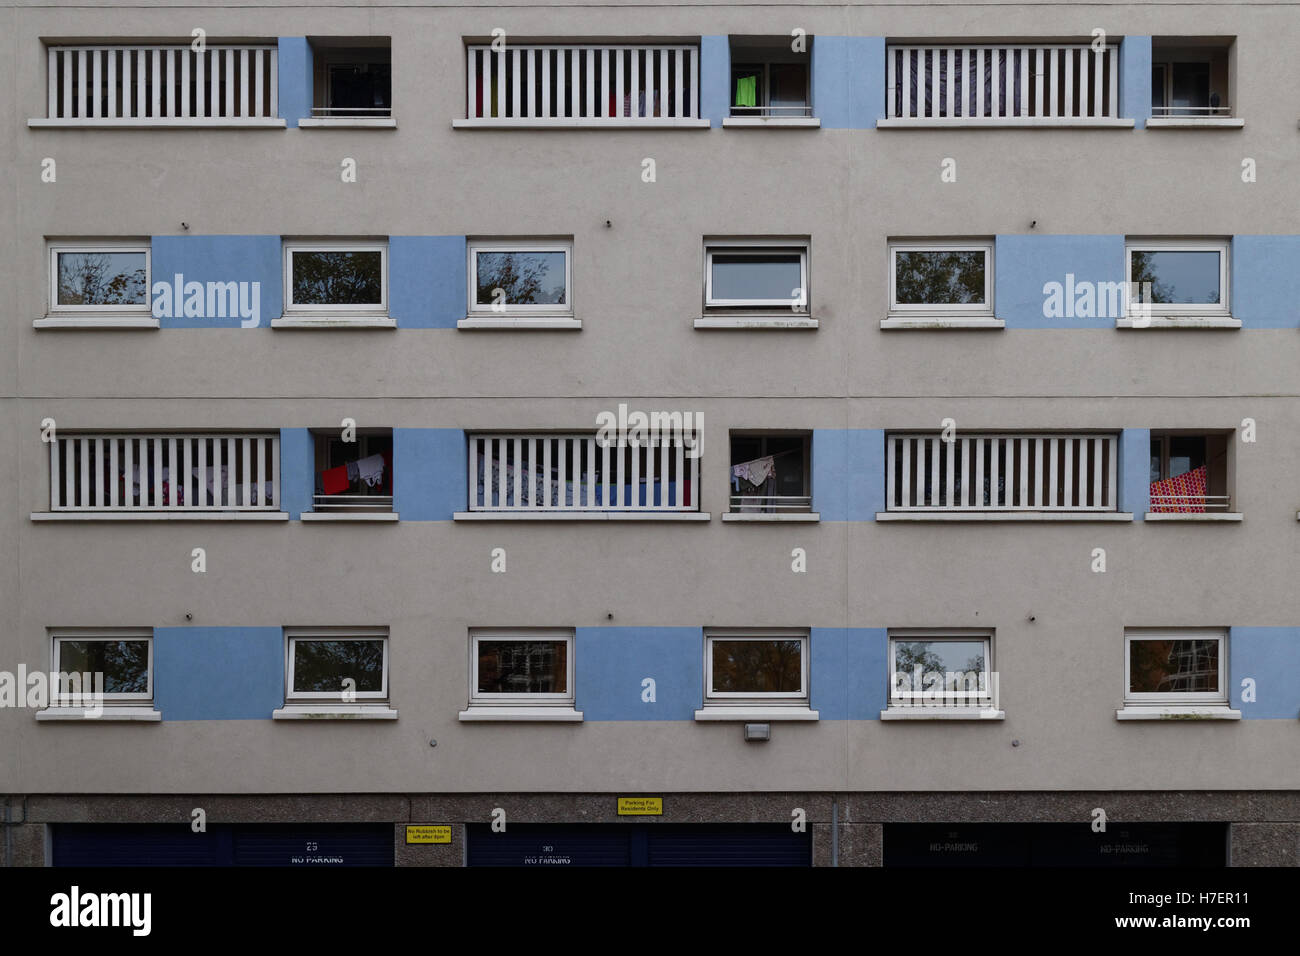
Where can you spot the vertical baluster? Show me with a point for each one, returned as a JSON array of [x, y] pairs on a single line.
[[575, 83], [1097, 109], [967, 475], [261, 497], [531, 478], [934, 443], [649, 474], [97, 83], [229, 68], [69, 67], [950, 76], [995, 446], [1068, 503], [997, 66], [141, 77], [1067, 107], [214, 88], [155, 83], [695, 477], [81, 84], [519, 473], [259, 82], [634, 84], [663, 82], [516, 84], [275, 474], [1024, 472], [1038, 81], [891, 81], [680, 451], [56, 450], [591, 82], [169, 55], [218, 481], [97, 471], [590, 484], [680, 79], [619, 87], [472, 480], [530, 87], [606, 477], [128, 471], [1096, 472], [965, 82], [200, 100], [950, 449], [1084, 53], [906, 80], [183, 486], [547, 110], [202, 492], [604, 107], [1038, 473], [694, 93], [1112, 100], [664, 445], [471, 103], [504, 490], [979, 82], [1053, 473], [1020, 106], [272, 105], [909, 479], [173, 490], [1053, 72], [111, 56], [891, 481], [979, 472], [575, 473], [246, 469], [1110, 501], [619, 492], [53, 57], [232, 474], [561, 101]]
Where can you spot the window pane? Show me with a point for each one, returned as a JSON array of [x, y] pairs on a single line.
[[961, 664], [939, 277], [1191, 86], [747, 86], [102, 278], [769, 277], [124, 664], [362, 88], [523, 667], [1158, 86], [321, 666], [757, 667], [789, 87], [1173, 666], [1155, 472], [1177, 278], [338, 278], [526, 278]]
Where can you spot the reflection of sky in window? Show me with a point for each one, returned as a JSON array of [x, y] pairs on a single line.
[[755, 277], [547, 268], [101, 278], [1184, 277], [940, 655]]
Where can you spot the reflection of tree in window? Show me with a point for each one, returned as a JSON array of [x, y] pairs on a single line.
[[909, 655], [322, 666], [1173, 666], [526, 278], [1146, 267], [337, 278], [757, 667], [939, 277], [124, 664], [96, 278], [522, 667]]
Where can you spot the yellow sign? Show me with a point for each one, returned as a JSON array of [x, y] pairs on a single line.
[[640, 806], [428, 834]]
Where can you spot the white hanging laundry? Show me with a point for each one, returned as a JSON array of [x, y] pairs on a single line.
[[371, 470]]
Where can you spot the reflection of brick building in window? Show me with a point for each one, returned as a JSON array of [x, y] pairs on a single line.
[[1193, 666]]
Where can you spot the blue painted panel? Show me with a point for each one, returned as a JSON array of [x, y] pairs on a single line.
[[427, 282], [295, 82], [849, 678], [1264, 292], [297, 471], [1058, 282], [1135, 471], [1271, 657], [218, 673], [429, 473], [204, 282], [848, 473], [611, 662], [715, 79], [1135, 79], [848, 81]]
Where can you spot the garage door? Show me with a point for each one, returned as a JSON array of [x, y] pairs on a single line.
[[224, 844], [633, 844], [1055, 844]]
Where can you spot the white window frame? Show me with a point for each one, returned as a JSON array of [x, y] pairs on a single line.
[[1221, 246], [734, 698], [525, 310], [127, 246], [293, 635], [982, 698], [521, 635], [293, 308], [103, 635], [1173, 698], [757, 247], [954, 309]]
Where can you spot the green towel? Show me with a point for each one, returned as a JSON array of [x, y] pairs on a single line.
[[747, 91]]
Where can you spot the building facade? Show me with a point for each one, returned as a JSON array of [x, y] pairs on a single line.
[[335, 343]]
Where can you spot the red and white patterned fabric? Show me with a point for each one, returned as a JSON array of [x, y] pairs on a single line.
[[1183, 493]]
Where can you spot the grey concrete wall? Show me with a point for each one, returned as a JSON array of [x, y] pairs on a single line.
[[637, 286]]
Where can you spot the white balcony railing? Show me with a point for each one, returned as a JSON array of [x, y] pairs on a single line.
[[998, 84], [131, 472], [562, 473], [986, 472], [771, 504], [583, 85], [162, 85]]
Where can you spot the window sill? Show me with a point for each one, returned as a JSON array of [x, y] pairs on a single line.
[[1181, 322], [239, 122], [1184, 712], [596, 122], [941, 322], [335, 712], [110, 713], [756, 713], [756, 322], [581, 516], [1004, 516], [178, 515], [522, 713], [313, 516], [759, 122], [341, 122], [1195, 122], [520, 323], [97, 322], [1002, 122], [942, 713], [332, 322], [759, 516], [1193, 516]]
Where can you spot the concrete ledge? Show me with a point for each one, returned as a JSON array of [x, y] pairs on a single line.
[[804, 516], [1004, 516], [112, 713], [1195, 122], [941, 322], [341, 122], [596, 122], [177, 515], [312, 517], [1180, 322], [778, 122], [538, 712], [96, 322], [522, 515], [262, 122], [334, 322], [1159, 516], [754, 322], [760, 714], [1178, 712], [520, 324], [335, 712], [942, 713], [1029, 122]]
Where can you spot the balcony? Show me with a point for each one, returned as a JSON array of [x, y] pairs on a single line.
[[582, 85], [127, 476], [579, 477], [982, 477], [1002, 85], [134, 86]]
